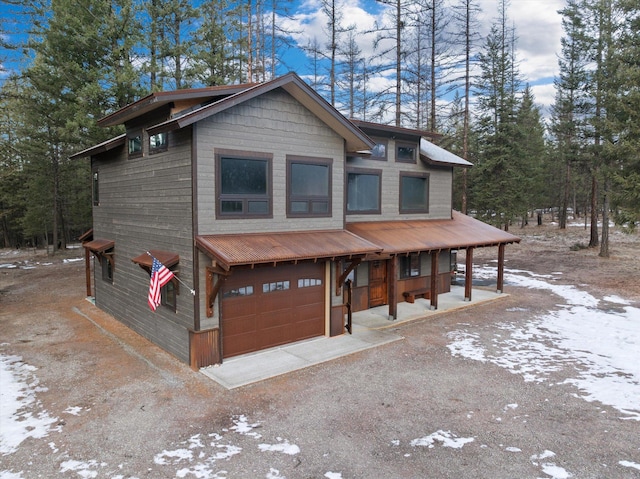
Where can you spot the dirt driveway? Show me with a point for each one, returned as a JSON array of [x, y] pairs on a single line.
[[97, 400]]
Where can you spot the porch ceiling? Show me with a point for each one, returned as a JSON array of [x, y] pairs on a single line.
[[459, 232], [261, 248]]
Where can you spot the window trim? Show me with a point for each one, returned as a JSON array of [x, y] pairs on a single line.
[[310, 199], [221, 154], [363, 171], [406, 144], [408, 174]]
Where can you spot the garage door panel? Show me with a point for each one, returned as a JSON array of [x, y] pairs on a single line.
[[282, 312], [240, 324]]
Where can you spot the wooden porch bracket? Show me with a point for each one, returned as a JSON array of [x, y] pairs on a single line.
[[468, 274], [341, 278], [435, 256], [212, 288]]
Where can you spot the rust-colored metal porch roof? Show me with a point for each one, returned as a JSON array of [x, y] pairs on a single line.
[[260, 248], [462, 231], [99, 245]]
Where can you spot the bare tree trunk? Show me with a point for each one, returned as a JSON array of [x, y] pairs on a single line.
[[593, 241], [398, 62], [604, 245]]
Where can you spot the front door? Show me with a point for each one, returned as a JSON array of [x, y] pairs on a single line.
[[377, 283]]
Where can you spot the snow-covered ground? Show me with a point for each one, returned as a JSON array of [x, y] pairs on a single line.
[[601, 336]]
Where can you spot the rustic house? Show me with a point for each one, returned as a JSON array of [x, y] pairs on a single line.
[[281, 214]]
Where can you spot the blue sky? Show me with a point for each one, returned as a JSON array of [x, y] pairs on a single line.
[[537, 24]]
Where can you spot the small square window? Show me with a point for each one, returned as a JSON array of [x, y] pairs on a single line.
[[158, 142], [405, 153], [379, 151]]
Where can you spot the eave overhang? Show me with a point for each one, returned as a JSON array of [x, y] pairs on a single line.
[[101, 147]]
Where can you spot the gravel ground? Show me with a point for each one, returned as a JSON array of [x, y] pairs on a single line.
[[119, 407]]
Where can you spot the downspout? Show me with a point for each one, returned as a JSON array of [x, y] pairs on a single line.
[[194, 225]]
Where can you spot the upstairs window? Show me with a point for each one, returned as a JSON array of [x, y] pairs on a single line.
[[158, 142], [405, 153], [379, 151], [414, 193], [309, 187], [363, 191], [244, 186], [134, 142]]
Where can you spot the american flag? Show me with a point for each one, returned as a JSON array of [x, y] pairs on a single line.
[[160, 275]]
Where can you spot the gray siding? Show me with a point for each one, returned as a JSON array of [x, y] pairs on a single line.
[[145, 203], [440, 188], [278, 124]]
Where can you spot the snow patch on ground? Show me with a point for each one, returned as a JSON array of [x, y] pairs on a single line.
[[444, 438], [582, 330], [21, 414]]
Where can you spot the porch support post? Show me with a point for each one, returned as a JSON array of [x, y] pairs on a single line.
[[433, 294], [500, 287], [393, 287], [87, 269], [468, 274]]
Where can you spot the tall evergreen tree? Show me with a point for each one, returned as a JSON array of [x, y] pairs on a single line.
[[571, 103]]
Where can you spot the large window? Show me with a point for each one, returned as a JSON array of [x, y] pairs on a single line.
[[244, 186], [308, 187], [414, 193], [363, 191]]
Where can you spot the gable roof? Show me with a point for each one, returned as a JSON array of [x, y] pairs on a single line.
[[356, 139]]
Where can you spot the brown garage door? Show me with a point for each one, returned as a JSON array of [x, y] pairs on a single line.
[[269, 306]]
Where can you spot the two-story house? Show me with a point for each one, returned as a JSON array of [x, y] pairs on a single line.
[[263, 199]]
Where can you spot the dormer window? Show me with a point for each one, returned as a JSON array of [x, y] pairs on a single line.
[[379, 151]]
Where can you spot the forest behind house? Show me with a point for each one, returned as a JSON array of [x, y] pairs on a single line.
[[78, 61]]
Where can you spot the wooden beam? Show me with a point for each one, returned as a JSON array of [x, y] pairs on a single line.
[[392, 281], [435, 255], [500, 287], [212, 288], [87, 268], [468, 274]]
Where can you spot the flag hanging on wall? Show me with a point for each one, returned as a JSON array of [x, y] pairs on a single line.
[[160, 275]]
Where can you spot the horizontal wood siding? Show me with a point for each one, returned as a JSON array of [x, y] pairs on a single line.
[[145, 203], [440, 188], [278, 124]]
